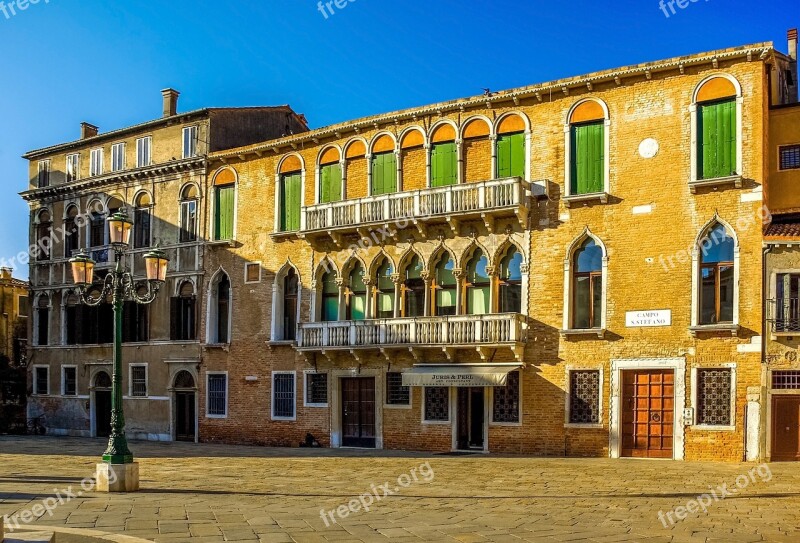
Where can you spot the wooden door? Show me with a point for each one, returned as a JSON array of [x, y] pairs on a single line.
[[648, 411], [785, 428], [358, 412], [102, 412], [184, 416]]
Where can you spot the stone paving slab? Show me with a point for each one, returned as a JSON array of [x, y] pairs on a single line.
[[210, 493]]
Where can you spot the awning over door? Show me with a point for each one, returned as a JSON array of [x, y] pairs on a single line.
[[455, 375]]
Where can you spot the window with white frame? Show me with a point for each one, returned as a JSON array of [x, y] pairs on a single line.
[[96, 162], [44, 174], [69, 381], [41, 380], [189, 142], [117, 157], [217, 401], [506, 400], [143, 151], [73, 167], [138, 381], [714, 396], [283, 395], [437, 404], [316, 389], [584, 397]]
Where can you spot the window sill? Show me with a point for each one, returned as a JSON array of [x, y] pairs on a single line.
[[735, 180], [732, 329], [436, 422], [573, 199], [316, 405], [221, 346], [221, 242], [284, 419], [786, 333], [283, 235], [588, 426], [282, 343], [216, 416], [505, 424], [712, 428], [397, 406], [599, 332]]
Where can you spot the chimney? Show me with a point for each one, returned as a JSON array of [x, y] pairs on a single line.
[[792, 81], [170, 102], [88, 130], [793, 44], [5, 273]]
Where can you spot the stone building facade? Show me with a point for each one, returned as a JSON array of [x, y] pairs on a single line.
[[156, 172], [570, 269], [14, 311]]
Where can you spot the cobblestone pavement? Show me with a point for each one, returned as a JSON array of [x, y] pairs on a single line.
[[205, 493]]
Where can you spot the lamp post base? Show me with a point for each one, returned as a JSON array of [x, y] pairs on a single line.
[[117, 477]]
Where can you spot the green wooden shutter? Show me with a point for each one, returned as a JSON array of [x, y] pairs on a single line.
[[517, 145], [290, 202], [377, 175], [223, 221], [503, 157], [588, 158], [331, 183], [389, 173], [444, 164], [717, 146]]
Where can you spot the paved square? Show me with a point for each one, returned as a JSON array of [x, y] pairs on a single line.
[[210, 493]]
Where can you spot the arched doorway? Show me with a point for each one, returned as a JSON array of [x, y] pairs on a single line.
[[185, 394], [102, 404]]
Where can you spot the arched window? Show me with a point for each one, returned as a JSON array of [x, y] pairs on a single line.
[[587, 149], [444, 287], [511, 147], [587, 285], [43, 321], [384, 293], [102, 380], [189, 196], [220, 310], [510, 282], [444, 157], [290, 294], [330, 176], [356, 295], [135, 320], [224, 204], [290, 198], [71, 233], [330, 297], [716, 276], [716, 125], [183, 314], [477, 286], [44, 235], [413, 289], [72, 317], [141, 221], [384, 166], [184, 380]]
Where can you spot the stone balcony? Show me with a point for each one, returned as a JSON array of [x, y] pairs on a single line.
[[480, 332], [485, 200]]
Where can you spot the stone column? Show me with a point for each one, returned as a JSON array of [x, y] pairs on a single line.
[[753, 424]]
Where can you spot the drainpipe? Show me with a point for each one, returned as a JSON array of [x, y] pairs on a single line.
[[764, 331]]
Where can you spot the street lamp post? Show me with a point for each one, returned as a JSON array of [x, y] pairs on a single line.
[[118, 471]]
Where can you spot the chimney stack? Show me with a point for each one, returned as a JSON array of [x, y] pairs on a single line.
[[170, 102], [88, 130], [793, 83], [793, 44], [5, 273]]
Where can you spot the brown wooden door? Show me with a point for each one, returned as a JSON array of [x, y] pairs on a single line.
[[648, 411], [184, 416], [358, 412], [785, 428]]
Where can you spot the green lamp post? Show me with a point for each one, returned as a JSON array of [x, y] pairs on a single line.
[[118, 284]]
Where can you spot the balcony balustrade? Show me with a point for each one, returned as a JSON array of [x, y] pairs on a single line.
[[784, 316]]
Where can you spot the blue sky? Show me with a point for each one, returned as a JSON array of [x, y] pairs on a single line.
[[67, 61]]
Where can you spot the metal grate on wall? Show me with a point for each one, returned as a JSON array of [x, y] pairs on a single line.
[[437, 404], [396, 393], [786, 380], [584, 397], [283, 395], [505, 406], [714, 397]]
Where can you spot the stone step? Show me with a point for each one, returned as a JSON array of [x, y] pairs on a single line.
[[30, 537]]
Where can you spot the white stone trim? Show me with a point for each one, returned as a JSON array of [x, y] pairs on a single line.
[[63, 381], [615, 401], [568, 290], [568, 146], [306, 373], [695, 310], [293, 417], [695, 401], [146, 380], [335, 400], [34, 383], [227, 388], [451, 405]]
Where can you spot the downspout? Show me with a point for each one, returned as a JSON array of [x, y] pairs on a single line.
[[764, 323]]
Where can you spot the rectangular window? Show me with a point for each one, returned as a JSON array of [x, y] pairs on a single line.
[[73, 167], [283, 400], [511, 156], [97, 230], [189, 142], [396, 393], [787, 302], [44, 174], [43, 325], [217, 395], [183, 318], [70, 385], [714, 397], [223, 217], [117, 157], [330, 180], [584, 397], [437, 404], [290, 203], [588, 164], [135, 327], [252, 272], [316, 389], [139, 381], [41, 380], [143, 148], [786, 380], [70, 237], [716, 129], [141, 228], [189, 221], [44, 240], [22, 306], [588, 300], [789, 157], [505, 406], [96, 162], [444, 164], [384, 173]]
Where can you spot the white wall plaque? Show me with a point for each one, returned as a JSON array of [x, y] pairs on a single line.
[[648, 148], [656, 317]]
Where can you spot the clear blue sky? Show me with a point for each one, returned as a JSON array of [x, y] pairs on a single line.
[[104, 62]]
